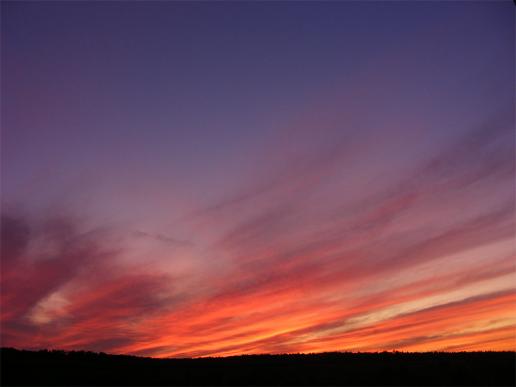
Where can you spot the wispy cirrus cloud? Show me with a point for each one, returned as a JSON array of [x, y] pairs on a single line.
[[298, 276]]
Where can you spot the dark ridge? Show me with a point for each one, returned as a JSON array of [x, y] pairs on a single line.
[[80, 368]]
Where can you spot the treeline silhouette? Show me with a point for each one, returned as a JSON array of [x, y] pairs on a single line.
[[79, 368]]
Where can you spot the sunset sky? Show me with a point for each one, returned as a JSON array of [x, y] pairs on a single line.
[[221, 178]]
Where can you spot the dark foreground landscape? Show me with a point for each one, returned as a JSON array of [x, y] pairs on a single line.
[[387, 368]]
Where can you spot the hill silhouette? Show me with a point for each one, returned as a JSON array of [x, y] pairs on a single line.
[[78, 368]]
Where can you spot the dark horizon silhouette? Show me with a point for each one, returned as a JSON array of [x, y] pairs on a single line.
[[80, 368]]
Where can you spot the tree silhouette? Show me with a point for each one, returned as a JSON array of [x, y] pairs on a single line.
[[59, 368]]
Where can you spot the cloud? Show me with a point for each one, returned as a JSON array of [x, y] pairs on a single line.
[[62, 287], [289, 267]]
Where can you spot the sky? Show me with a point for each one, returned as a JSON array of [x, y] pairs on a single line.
[[219, 178]]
